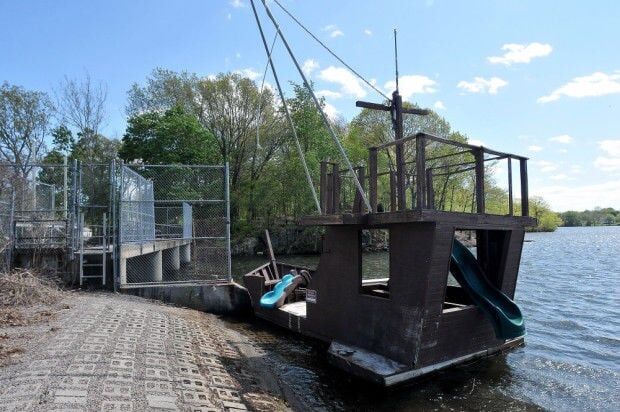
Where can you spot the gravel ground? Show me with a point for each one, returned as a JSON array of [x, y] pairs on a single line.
[[109, 352]]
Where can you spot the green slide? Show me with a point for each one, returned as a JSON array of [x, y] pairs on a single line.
[[504, 314]]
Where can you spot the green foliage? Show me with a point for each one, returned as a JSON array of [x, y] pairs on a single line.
[[596, 217], [548, 221], [174, 137]]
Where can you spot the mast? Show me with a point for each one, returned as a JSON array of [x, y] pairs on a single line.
[[396, 113]]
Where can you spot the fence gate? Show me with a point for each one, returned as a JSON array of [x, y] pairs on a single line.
[[173, 225]]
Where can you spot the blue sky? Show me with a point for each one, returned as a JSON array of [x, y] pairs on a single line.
[[535, 78]]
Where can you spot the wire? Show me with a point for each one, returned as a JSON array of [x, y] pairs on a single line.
[[330, 51], [326, 122], [260, 94], [288, 114]]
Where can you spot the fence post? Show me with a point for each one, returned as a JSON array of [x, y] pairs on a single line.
[[227, 199], [64, 186], [336, 189], [510, 203], [525, 204], [400, 178], [393, 195], [420, 148], [479, 155], [372, 184], [358, 205]]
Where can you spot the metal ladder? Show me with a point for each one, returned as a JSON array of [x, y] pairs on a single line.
[[104, 252]]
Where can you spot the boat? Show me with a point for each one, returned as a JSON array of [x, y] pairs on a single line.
[[442, 302]]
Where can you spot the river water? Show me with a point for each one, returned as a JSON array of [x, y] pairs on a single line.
[[569, 292]]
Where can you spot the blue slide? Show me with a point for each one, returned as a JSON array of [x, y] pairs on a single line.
[[271, 298], [504, 314]]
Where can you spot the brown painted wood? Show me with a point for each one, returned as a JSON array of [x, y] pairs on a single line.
[[337, 187], [358, 204], [372, 183], [393, 194], [525, 204], [479, 154], [420, 149], [272, 256], [510, 199]]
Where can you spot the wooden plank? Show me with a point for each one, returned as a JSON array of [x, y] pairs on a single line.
[[525, 204], [510, 200], [420, 149], [329, 198], [392, 191], [372, 184], [337, 187], [358, 205], [479, 154], [272, 256]]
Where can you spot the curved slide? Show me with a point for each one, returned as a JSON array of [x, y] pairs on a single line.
[[504, 314]]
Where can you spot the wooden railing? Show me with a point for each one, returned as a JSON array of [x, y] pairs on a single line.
[[417, 177]]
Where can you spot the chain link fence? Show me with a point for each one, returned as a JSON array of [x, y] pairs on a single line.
[[173, 224], [136, 224]]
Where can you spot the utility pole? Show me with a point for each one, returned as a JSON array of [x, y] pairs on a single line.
[[396, 113]]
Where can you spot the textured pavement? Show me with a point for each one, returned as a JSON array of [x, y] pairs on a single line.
[[119, 353]]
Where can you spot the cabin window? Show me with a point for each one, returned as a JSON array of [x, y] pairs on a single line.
[[375, 262], [455, 297]]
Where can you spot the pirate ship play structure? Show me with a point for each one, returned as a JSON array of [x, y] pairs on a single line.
[[414, 320]]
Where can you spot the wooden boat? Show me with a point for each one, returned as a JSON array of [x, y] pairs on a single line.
[[414, 322]]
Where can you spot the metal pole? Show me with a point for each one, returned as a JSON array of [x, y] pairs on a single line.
[[318, 105], [104, 246], [288, 114], [114, 237], [227, 198], [64, 186]]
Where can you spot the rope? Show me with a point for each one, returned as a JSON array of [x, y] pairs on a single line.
[[330, 51], [260, 94], [288, 114], [319, 107]]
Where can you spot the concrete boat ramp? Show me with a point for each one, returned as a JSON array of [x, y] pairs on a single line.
[[111, 352]]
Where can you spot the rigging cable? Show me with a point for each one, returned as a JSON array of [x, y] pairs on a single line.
[[318, 105], [330, 51], [260, 92], [288, 114]]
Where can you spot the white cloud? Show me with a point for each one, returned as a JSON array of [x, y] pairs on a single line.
[[309, 66], [560, 176], [535, 148], [333, 30], [349, 84], [237, 4], [546, 166], [610, 161], [439, 105], [238, 55], [412, 84], [595, 84], [330, 111], [563, 138], [329, 94], [249, 73], [368, 32], [476, 142], [520, 53], [482, 85], [572, 197]]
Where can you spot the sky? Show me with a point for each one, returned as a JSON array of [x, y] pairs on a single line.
[[540, 79]]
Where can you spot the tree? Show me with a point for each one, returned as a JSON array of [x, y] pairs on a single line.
[[548, 221], [172, 137], [81, 104], [164, 90], [24, 120]]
